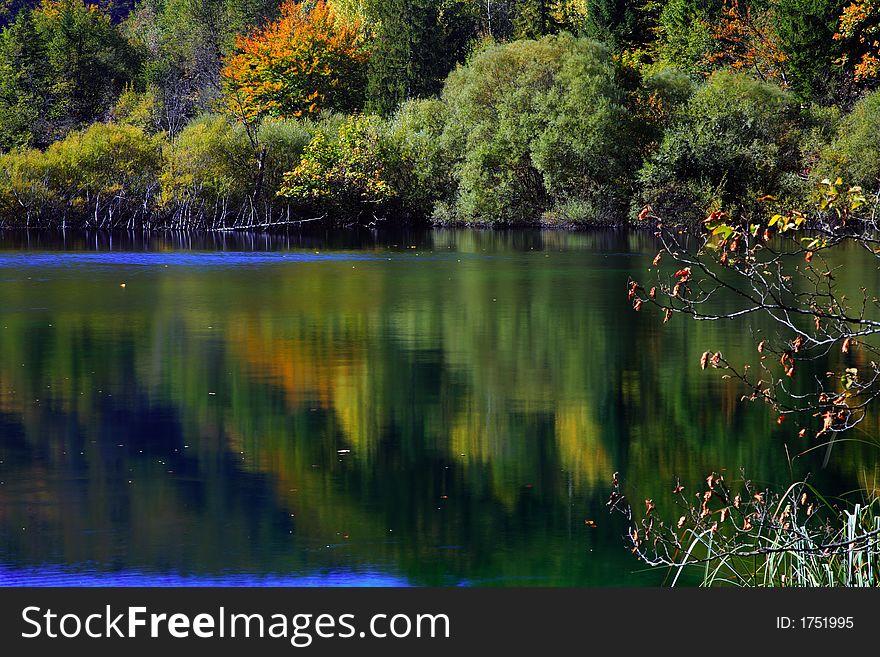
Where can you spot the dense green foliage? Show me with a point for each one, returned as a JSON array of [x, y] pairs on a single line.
[[62, 66], [734, 140], [855, 150], [554, 111], [806, 29], [346, 172], [535, 126], [105, 176]]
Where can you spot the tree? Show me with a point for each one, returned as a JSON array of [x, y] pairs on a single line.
[[859, 31], [25, 85], [685, 33], [310, 59], [348, 173], [61, 67], [745, 39], [736, 138], [854, 151], [539, 127], [90, 59], [806, 31], [182, 44], [619, 23], [416, 44], [533, 19], [106, 176], [819, 370]]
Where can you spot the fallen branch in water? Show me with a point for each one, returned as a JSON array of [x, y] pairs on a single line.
[[271, 224]]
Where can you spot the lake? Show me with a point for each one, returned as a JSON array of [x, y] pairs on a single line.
[[437, 408]]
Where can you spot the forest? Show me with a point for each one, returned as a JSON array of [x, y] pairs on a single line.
[[226, 114]]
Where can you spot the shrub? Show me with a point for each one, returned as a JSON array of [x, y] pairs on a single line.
[[139, 109], [208, 170], [285, 142], [743, 535], [417, 131], [104, 176], [213, 173], [734, 140], [854, 153], [533, 124], [347, 174]]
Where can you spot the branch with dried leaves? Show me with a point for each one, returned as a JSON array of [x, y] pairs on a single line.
[[745, 536], [779, 267]]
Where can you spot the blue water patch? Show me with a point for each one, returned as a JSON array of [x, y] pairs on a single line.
[[209, 259], [176, 258], [48, 576]]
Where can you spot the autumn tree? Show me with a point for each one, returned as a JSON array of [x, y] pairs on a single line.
[[859, 31], [311, 58], [816, 367], [819, 368], [182, 44], [745, 39]]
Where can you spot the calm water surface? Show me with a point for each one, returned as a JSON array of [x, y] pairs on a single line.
[[431, 409]]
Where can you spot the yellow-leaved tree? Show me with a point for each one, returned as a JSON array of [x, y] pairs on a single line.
[[311, 58]]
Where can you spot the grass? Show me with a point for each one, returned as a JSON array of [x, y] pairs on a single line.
[[755, 538]]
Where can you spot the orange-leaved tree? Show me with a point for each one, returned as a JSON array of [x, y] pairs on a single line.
[[860, 31], [311, 58], [745, 40]]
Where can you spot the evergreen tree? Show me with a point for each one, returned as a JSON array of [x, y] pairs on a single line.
[[806, 29], [685, 35], [90, 59], [620, 24], [533, 19], [24, 85], [417, 43]]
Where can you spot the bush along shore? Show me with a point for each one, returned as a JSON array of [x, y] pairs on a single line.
[[305, 112]]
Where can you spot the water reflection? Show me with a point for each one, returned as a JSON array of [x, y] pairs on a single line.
[[441, 408]]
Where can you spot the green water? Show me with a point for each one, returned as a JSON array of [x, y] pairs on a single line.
[[431, 409]]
